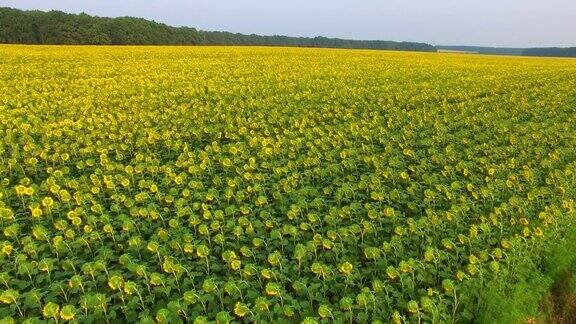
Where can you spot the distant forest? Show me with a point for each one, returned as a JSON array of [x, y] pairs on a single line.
[[551, 51], [56, 27]]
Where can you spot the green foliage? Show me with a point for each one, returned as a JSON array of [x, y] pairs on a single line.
[[520, 293], [56, 27]]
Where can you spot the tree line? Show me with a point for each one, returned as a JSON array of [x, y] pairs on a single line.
[[56, 27], [551, 51]]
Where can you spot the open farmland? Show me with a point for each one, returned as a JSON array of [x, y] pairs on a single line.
[[272, 184]]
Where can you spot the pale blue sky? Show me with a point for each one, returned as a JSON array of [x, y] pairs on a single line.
[[517, 23]]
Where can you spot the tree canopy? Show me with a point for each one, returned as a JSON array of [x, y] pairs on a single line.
[[56, 27], [551, 51]]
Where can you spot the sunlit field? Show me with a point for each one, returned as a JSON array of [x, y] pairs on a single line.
[[200, 184]]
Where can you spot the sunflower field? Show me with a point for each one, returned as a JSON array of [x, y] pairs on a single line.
[[246, 184]]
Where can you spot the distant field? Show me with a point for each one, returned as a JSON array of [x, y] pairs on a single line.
[[276, 184], [455, 51]]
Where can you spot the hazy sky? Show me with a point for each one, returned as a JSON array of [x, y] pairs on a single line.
[[520, 23]]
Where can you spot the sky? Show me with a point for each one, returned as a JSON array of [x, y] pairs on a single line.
[[508, 23]]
